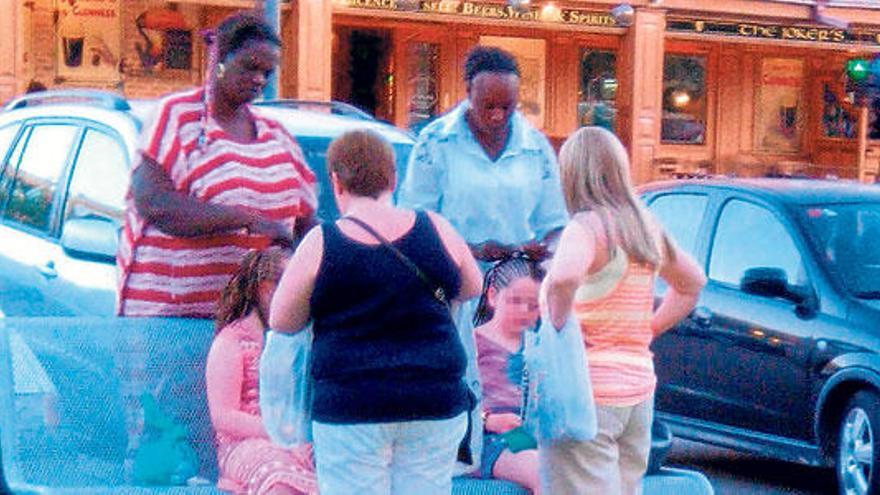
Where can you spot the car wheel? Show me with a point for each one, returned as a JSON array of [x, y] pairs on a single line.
[[858, 447]]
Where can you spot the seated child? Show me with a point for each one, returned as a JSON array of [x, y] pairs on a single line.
[[249, 462], [507, 308]]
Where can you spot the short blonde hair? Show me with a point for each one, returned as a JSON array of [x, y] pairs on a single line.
[[594, 169]]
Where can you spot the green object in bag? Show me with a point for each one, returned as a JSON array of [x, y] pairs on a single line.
[[518, 439], [164, 456]]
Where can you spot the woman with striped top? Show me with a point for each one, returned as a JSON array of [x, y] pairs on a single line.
[[604, 270], [216, 180]]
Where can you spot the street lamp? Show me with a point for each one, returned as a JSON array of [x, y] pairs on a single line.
[[519, 5], [623, 14], [272, 13]]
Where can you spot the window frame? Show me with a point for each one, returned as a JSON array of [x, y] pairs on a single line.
[[709, 83], [4, 183], [792, 228], [52, 230], [708, 209], [73, 161], [614, 50]]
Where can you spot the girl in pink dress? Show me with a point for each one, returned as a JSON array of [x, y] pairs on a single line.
[[249, 462]]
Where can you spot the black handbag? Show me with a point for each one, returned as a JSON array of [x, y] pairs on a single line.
[[465, 455]]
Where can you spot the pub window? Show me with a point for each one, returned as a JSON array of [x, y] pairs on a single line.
[[874, 119], [684, 100], [598, 89], [836, 121], [423, 88]]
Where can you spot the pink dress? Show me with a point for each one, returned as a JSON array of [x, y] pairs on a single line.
[[254, 465]]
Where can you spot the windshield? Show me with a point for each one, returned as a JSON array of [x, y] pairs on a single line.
[[847, 238]]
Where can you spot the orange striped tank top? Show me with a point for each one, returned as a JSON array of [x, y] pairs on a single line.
[[614, 307]]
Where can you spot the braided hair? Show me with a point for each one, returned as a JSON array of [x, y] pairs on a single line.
[[500, 276], [242, 294]]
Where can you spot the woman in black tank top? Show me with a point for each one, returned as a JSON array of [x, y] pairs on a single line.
[[387, 363]]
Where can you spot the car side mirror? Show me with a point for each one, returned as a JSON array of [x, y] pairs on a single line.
[[765, 282], [773, 282], [90, 238]]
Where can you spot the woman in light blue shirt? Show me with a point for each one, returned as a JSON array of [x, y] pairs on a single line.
[[494, 176], [485, 168]]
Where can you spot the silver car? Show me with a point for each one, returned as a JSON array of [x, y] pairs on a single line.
[[64, 169]]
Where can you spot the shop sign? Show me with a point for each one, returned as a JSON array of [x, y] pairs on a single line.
[[774, 32], [486, 10], [87, 40]]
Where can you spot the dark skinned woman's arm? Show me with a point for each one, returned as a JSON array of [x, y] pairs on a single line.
[[179, 214]]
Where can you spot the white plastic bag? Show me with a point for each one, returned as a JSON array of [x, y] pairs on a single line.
[[560, 396], [286, 387]]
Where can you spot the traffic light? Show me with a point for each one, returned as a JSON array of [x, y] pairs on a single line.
[[857, 69], [863, 79]]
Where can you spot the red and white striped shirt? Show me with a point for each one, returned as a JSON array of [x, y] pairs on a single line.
[[164, 275]]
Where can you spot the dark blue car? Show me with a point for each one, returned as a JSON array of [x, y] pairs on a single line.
[[781, 356]]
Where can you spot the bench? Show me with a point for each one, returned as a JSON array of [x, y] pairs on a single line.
[[67, 385]]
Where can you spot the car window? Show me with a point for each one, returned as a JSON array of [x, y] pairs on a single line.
[[100, 178], [38, 174], [7, 134], [681, 216], [750, 236]]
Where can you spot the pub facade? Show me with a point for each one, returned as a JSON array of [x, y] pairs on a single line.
[[693, 87]]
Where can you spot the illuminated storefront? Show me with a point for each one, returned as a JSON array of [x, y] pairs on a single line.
[[746, 87]]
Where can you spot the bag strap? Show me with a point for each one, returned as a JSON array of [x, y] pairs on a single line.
[[525, 384], [435, 289]]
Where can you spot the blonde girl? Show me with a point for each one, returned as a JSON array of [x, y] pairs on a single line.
[[604, 271]]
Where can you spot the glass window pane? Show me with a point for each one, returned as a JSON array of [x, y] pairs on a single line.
[[874, 119], [684, 100], [423, 59], [836, 121], [100, 179], [39, 170], [598, 89], [681, 216], [780, 111], [7, 134], [737, 247], [9, 168]]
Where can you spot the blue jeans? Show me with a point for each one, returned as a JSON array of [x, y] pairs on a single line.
[[401, 458]]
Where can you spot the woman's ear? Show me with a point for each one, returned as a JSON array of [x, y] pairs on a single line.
[[336, 184], [491, 295]]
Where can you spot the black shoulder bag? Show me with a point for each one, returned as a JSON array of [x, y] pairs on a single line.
[[464, 449]]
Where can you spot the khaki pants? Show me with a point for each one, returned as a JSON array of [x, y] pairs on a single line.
[[613, 463]]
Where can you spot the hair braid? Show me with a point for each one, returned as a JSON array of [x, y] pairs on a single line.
[[500, 276]]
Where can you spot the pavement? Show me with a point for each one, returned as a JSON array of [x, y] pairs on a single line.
[[735, 473]]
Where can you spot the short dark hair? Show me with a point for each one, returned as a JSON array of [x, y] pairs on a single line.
[[489, 59], [364, 162], [238, 29]]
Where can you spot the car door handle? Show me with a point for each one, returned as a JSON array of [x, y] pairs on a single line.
[[702, 316], [48, 270]]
